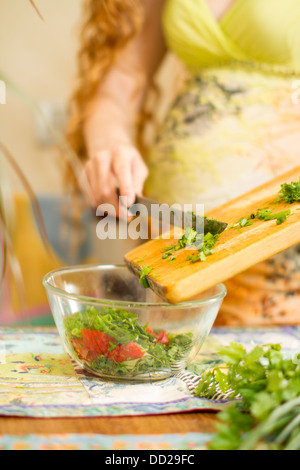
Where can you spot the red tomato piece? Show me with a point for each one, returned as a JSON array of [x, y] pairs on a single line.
[[150, 331], [163, 338], [123, 352], [96, 341], [82, 351]]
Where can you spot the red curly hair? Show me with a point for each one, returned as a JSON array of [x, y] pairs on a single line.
[[107, 28]]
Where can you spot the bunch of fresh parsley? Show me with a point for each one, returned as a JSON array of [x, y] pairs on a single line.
[[267, 414]]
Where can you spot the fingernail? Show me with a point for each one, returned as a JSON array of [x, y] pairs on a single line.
[[130, 200]]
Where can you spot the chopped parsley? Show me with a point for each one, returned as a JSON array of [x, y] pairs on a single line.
[[143, 276], [266, 214], [243, 222], [289, 193], [204, 244], [205, 247], [246, 222], [262, 214]]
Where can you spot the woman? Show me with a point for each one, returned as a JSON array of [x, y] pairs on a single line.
[[233, 126]]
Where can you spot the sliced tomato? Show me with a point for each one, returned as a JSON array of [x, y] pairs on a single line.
[[82, 351], [97, 341], [151, 332], [123, 352], [163, 338]]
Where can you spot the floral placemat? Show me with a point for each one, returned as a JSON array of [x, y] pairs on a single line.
[[38, 379], [190, 441]]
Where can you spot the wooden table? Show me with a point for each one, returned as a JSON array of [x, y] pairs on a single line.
[[163, 424]]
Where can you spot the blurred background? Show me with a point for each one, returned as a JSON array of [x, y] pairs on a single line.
[[41, 58]]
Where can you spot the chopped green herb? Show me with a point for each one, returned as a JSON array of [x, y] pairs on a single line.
[[289, 193], [141, 260], [262, 214], [168, 248], [204, 244], [245, 222], [205, 247], [190, 236], [143, 276], [266, 214]]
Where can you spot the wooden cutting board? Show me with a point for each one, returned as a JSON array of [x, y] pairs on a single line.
[[236, 250]]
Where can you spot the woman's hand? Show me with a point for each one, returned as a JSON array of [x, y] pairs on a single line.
[[121, 166]]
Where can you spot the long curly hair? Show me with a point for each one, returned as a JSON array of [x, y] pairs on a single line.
[[108, 26]]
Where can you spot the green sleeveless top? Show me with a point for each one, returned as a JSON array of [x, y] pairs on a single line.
[[261, 31]]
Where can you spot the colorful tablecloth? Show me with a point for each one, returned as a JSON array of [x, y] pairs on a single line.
[[38, 379], [164, 442]]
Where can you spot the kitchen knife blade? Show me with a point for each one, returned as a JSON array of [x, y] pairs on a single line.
[[177, 217]]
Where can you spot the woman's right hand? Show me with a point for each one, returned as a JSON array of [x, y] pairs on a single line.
[[120, 167]]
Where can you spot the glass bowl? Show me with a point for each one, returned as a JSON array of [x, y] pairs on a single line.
[[118, 330]]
